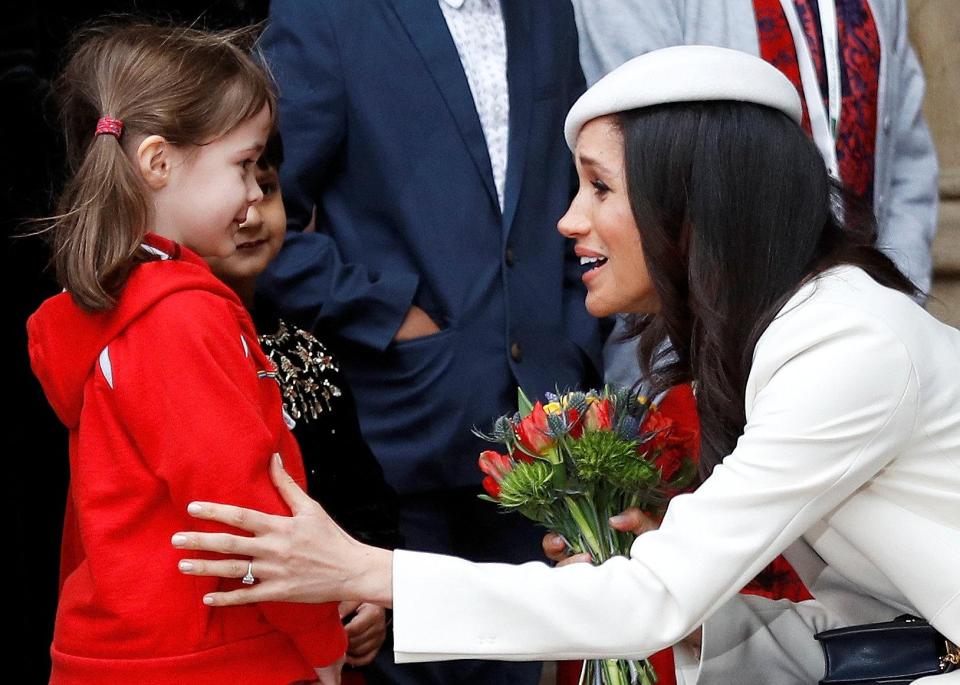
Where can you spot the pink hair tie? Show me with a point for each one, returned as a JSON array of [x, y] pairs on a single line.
[[110, 126]]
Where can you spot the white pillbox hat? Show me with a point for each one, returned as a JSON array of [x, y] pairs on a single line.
[[685, 73]]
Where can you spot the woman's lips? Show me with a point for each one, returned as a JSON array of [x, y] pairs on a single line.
[[593, 269], [590, 260]]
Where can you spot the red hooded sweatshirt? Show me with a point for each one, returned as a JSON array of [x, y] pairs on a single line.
[[168, 399]]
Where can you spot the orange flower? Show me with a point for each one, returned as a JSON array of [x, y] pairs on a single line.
[[599, 416], [533, 433]]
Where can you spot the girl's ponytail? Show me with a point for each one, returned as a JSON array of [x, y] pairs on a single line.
[[103, 215]]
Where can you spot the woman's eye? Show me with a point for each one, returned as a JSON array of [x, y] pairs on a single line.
[[600, 187]]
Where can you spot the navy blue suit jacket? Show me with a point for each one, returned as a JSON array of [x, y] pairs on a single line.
[[381, 135]]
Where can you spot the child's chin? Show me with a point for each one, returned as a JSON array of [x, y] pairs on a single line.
[[238, 273]]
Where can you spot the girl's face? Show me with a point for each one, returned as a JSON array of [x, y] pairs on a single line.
[[210, 188], [259, 238], [601, 222]]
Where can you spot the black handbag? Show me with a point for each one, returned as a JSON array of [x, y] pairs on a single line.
[[898, 651]]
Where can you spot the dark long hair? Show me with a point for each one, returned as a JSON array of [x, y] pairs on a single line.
[[735, 211]]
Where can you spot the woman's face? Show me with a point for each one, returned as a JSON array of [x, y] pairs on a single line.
[[601, 222]]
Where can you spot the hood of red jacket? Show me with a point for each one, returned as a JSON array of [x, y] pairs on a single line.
[[65, 341]]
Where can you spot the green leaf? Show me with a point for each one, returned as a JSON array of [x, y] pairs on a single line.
[[524, 405], [586, 529]]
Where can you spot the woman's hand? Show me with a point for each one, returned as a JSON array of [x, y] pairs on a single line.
[[301, 558], [630, 521], [366, 631]]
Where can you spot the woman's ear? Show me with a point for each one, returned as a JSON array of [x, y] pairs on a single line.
[[154, 161]]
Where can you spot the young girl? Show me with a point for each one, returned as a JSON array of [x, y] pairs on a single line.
[[153, 364]]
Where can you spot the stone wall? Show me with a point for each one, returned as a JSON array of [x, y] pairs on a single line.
[[935, 33]]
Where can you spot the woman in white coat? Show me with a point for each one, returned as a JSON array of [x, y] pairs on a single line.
[[830, 406]]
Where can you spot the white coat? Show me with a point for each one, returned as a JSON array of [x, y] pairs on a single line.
[[849, 462]]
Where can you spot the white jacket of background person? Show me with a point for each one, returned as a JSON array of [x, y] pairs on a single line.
[[905, 181], [849, 463]]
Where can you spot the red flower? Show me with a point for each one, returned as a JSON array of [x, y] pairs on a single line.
[[669, 462], [576, 425], [492, 487], [681, 406], [659, 424], [495, 466], [676, 428], [533, 433], [599, 416]]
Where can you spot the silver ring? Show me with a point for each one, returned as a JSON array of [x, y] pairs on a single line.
[[249, 579]]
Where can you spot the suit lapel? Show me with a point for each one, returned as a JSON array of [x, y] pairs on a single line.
[[428, 31], [516, 20]]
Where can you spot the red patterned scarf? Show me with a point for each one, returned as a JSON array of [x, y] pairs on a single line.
[[859, 76]]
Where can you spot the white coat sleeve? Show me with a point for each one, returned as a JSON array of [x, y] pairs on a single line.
[[834, 399]]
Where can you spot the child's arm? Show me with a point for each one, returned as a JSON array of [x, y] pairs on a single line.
[[191, 401], [330, 675]]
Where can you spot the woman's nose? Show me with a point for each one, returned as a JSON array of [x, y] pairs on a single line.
[[574, 222]]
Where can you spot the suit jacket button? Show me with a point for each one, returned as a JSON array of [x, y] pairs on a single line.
[[508, 257], [516, 352]]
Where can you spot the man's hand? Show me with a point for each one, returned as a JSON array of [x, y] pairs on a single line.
[[417, 324]]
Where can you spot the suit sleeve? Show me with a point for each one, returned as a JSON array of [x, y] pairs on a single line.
[[909, 221], [190, 399], [309, 280], [838, 401]]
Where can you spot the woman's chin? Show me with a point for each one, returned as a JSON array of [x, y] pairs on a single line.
[[598, 308]]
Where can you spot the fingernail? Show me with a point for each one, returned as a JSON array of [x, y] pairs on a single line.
[[208, 599], [276, 455], [617, 520], [178, 540], [185, 565], [194, 508]]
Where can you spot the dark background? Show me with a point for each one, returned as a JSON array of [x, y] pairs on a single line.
[[32, 40]]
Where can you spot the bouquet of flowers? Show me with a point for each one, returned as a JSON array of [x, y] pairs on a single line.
[[578, 459]]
